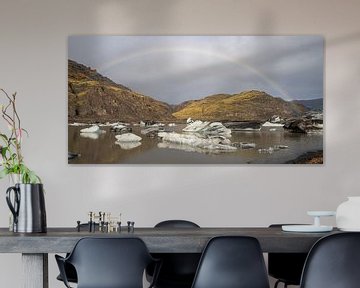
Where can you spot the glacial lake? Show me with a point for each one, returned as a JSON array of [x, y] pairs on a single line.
[[102, 149]]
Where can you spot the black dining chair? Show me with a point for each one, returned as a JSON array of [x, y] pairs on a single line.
[[178, 269], [286, 267], [333, 262], [232, 262], [108, 263], [70, 271]]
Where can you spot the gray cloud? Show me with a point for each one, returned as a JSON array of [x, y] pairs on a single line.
[[178, 68]]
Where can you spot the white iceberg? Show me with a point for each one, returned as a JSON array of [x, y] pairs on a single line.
[[78, 124], [210, 143], [113, 124], [278, 147], [128, 137], [196, 126], [207, 128], [128, 145], [92, 129], [271, 124], [118, 126], [150, 130]]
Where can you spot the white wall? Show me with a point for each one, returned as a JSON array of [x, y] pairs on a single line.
[[33, 62]]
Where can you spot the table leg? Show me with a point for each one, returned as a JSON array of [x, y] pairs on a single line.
[[35, 270]]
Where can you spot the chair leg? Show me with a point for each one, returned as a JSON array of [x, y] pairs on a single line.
[[278, 282]]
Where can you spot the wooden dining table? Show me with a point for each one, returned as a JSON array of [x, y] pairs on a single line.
[[35, 247]]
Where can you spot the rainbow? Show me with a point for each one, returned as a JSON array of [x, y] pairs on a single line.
[[238, 63]]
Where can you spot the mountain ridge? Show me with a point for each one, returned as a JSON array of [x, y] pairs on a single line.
[[250, 105], [313, 104], [93, 97]]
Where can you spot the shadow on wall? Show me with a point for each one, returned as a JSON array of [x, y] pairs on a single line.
[[343, 39], [137, 16]]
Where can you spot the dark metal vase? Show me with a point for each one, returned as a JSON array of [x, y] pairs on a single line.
[[27, 204]]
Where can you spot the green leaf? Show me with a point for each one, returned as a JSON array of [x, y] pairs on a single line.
[[4, 173], [33, 177], [27, 133], [3, 151], [28, 176], [5, 138]]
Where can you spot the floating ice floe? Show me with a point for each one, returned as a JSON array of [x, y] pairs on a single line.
[[118, 126], [78, 124], [310, 122], [92, 132], [278, 147], [151, 131], [155, 125], [210, 143], [207, 128], [113, 124], [121, 128], [248, 126], [271, 124], [196, 126], [92, 129], [128, 137], [128, 145], [72, 155]]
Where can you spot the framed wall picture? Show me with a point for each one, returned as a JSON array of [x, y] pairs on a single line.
[[195, 99]]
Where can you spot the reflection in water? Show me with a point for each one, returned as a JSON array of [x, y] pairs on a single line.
[[105, 150], [93, 136], [188, 148]]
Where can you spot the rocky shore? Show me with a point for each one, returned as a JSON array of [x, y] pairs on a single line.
[[314, 157]]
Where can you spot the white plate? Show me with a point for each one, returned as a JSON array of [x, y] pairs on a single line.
[[350, 229], [321, 213], [306, 228]]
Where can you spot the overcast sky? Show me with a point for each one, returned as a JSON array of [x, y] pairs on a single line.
[[179, 68]]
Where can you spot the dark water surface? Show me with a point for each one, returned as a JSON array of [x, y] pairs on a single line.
[[103, 150]]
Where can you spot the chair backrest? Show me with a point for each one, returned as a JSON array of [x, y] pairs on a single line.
[[286, 267], [333, 262], [110, 262], [232, 262], [178, 269], [176, 224]]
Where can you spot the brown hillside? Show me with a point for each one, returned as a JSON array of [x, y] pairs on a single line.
[[247, 105], [93, 97]]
